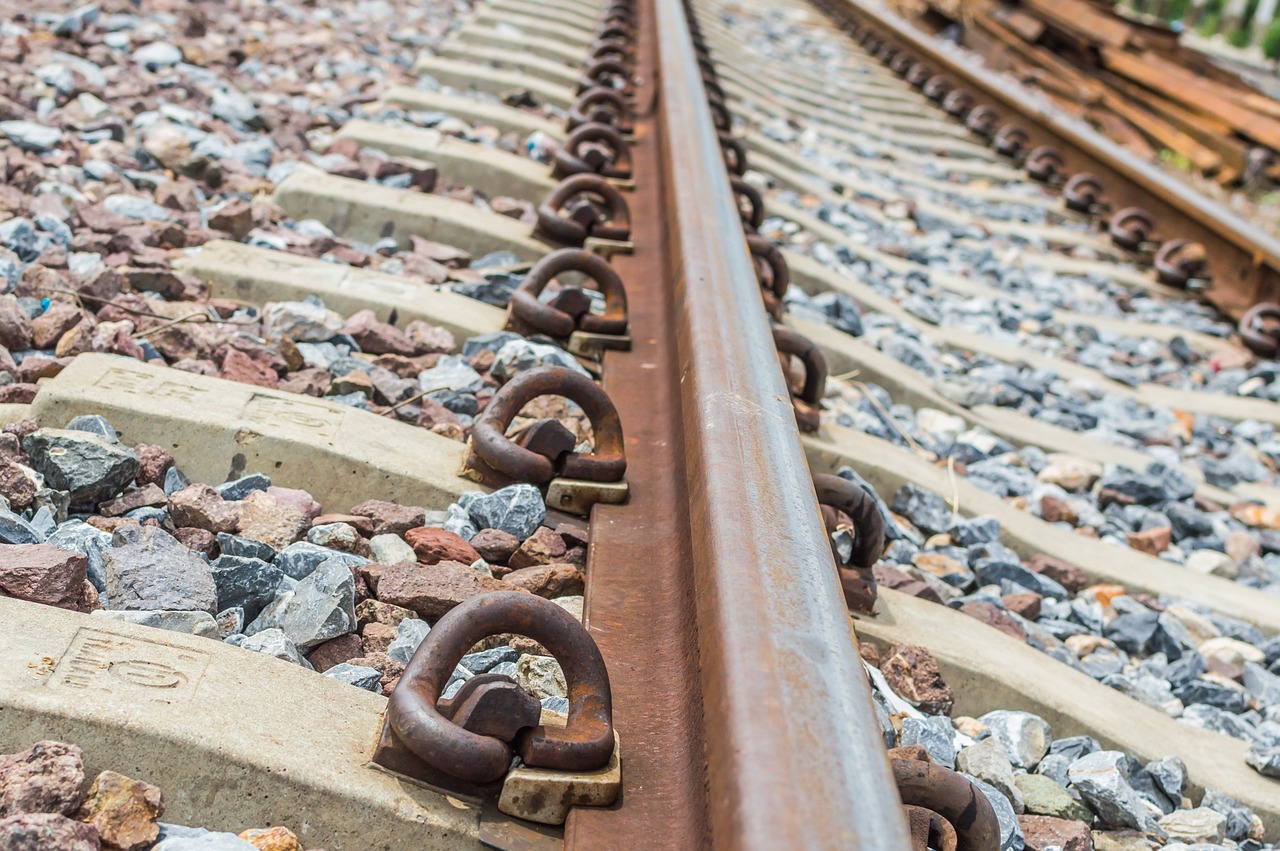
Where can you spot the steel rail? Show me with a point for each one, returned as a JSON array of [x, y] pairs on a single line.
[[1244, 261], [793, 753]]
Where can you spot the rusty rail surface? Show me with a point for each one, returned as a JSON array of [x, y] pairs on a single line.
[[793, 759], [1244, 262]]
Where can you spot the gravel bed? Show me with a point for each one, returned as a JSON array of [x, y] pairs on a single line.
[[45, 803], [119, 532], [1065, 792], [1201, 666]]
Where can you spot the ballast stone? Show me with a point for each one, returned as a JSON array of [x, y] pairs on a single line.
[[147, 569], [88, 467]]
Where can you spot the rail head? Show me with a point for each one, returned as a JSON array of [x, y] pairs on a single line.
[[793, 751]]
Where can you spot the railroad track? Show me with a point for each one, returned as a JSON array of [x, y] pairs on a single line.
[[1054, 460]]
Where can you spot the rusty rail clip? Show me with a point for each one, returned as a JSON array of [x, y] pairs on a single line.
[[593, 148], [1131, 227], [945, 811], [808, 399], [1083, 192], [1260, 329], [601, 106], [958, 102], [595, 209], [734, 153], [771, 272], [844, 503], [749, 203], [1011, 141], [1179, 261], [465, 743], [528, 313], [1044, 164], [605, 73], [982, 120], [574, 481]]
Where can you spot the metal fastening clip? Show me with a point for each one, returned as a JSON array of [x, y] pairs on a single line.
[[574, 481], [465, 743]]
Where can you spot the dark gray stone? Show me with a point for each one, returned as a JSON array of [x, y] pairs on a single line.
[[935, 734], [1239, 817], [1011, 838], [15, 530], [234, 545], [1170, 774], [301, 557], [925, 510], [94, 424], [976, 530], [1102, 780], [147, 569], [88, 467], [369, 679], [997, 572], [323, 606], [242, 487], [517, 509], [409, 635], [249, 583], [482, 662]]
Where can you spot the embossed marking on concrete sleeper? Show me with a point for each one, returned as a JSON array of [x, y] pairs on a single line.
[[322, 421], [136, 668]]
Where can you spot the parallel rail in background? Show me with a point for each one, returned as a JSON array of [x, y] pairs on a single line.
[[1243, 261]]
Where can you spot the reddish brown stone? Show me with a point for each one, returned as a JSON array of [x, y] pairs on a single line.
[[235, 217], [36, 367], [434, 545], [125, 811], [200, 540], [335, 651], [265, 517], [992, 616], [204, 508], [48, 777], [494, 545], [16, 486], [18, 394], [15, 324], [913, 674], [542, 547], [299, 500], [1151, 541], [53, 323], [153, 463], [548, 580], [310, 382], [378, 338], [447, 255], [1043, 832], [238, 366], [42, 573], [377, 637], [1054, 510], [390, 518], [47, 832], [372, 611], [147, 495], [891, 577], [1026, 605], [1065, 574], [869, 654], [433, 590]]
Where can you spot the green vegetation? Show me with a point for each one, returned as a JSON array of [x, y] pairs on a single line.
[[1271, 41], [1241, 36]]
